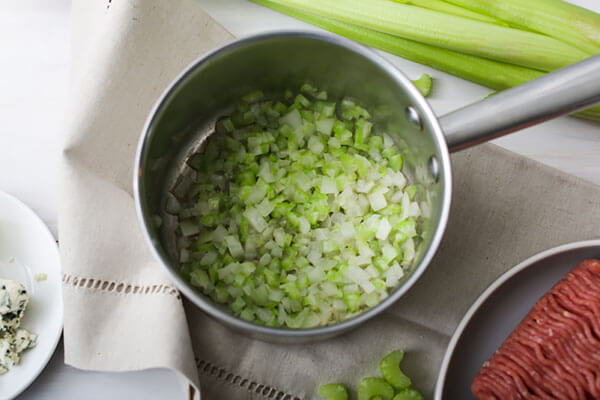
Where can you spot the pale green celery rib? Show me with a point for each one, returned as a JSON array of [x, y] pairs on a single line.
[[569, 23], [492, 74], [442, 6], [460, 34]]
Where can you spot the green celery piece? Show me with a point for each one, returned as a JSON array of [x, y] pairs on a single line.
[[408, 394], [452, 32], [492, 74], [253, 96], [390, 369], [443, 6], [423, 83], [567, 22], [371, 387], [333, 391]]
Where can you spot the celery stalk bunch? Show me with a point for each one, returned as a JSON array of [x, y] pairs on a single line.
[[495, 43]]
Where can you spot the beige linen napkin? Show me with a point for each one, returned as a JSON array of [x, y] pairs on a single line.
[[122, 313]]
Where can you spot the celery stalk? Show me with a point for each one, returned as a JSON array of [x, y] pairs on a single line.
[[556, 18], [492, 74], [489, 73], [438, 29], [448, 8]]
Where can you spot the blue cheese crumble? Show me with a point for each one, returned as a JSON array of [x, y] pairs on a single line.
[[13, 339]]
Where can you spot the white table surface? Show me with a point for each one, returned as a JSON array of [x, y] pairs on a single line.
[[35, 43]]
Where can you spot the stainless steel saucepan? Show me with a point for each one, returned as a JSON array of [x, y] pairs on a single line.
[[185, 116]]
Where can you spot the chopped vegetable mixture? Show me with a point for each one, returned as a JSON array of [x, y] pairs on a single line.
[[299, 215]]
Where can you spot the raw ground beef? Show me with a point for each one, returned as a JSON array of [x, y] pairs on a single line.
[[554, 353]]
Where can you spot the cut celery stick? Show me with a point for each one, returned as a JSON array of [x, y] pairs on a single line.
[[409, 394], [390, 369], [333, 391], [423, 83], [371, 387], [438, 29], [556, 18]]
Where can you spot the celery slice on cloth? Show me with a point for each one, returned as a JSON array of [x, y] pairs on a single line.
[[408, 394], [333, 391], [371, 387], [390, 369]]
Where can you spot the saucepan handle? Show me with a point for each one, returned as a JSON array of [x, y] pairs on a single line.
[[561, 92]]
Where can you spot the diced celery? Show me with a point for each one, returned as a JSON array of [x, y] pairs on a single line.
[[247, 314], [238, 304], [200, 278], [300, 219], [396, 162], [303, 101], [253, 96], [377, 201], [292, 119], [352, 301], [328, 185], [235, 248], [384, 229], [423, 83], [325, 125], [255, 219], [189, 227], [315, 145]]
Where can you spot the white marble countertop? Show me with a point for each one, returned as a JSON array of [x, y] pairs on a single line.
[[35, 42]]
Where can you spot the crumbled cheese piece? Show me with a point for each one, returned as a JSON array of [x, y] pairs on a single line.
[[13, 301], [40, 277], [13, 339]]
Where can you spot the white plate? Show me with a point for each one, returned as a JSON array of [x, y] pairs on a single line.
[[498, 311], [27, 241]]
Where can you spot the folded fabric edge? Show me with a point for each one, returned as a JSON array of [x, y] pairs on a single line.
[[123, 313]]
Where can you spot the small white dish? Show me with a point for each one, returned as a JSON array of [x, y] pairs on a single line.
[[27, 248], [498, 311]]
